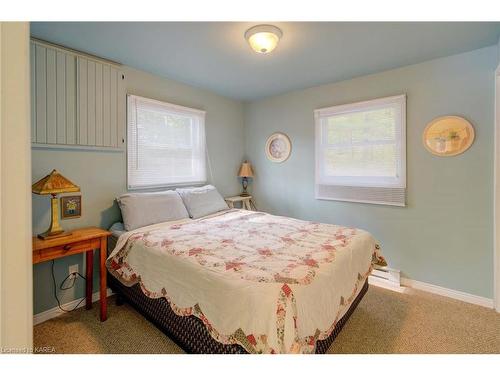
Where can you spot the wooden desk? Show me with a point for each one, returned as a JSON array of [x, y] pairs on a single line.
[[84, 240]]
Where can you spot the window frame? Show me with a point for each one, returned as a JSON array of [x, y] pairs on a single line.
[[176, 109], [399, 101]]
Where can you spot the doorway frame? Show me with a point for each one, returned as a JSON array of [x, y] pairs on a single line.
[[496, 239], [16, 269]]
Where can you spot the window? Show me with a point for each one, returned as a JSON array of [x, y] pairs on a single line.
[[361, 151], [165, 144]]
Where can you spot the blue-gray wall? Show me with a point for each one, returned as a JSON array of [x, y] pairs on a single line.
[[102, 175], [445, 234]]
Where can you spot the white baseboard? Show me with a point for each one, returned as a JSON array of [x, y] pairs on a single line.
[[455, 294], [377, 281], [435, 289], [56, 311]]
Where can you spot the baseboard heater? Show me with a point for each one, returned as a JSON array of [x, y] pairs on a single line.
[[386, 276]]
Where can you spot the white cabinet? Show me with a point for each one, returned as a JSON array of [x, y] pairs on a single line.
[[76, 100]]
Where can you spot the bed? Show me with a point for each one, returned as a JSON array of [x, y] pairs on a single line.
[[244, 282]]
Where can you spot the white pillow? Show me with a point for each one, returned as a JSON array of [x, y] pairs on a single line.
[[202, 201], [141, 209]]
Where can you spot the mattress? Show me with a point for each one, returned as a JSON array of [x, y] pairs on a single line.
[[269, 284]]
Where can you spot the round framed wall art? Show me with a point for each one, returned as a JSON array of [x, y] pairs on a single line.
[[448, 136], [278, 147]]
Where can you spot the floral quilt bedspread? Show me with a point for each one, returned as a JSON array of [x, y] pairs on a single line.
[[268, 283]]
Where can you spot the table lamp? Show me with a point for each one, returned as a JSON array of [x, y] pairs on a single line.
[[245, 172], [53, 184]]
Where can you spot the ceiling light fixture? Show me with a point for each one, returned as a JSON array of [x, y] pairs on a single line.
[[263, 38]]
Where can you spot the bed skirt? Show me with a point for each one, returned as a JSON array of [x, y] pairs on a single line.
[[189, 332]]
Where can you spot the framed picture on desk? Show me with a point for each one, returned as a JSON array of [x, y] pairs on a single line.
[[71, 207]]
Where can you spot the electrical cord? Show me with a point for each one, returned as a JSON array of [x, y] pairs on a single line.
[[75, 274]]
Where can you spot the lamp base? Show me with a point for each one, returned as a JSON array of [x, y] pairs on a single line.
[[244, 183], [55, 230], [48, 235]]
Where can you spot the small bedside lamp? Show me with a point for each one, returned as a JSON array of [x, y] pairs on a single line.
[[54, 183], [245, 172]]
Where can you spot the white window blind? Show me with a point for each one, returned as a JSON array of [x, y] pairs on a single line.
[[165, 144], [361, 151]]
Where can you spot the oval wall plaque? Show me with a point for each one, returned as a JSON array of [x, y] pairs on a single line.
[[448, 136]]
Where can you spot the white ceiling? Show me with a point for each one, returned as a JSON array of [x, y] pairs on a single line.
[[216, 57]]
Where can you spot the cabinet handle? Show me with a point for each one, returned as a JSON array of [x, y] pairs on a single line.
[[67, 247]]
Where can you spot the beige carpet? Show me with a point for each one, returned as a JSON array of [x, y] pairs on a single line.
[[384, 322]]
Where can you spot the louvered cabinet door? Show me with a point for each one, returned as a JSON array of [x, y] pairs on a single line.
[[76, 100], [53, 96], [98, 96]]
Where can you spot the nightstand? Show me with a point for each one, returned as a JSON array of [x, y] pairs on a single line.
[[84, 240], [247, 202]]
